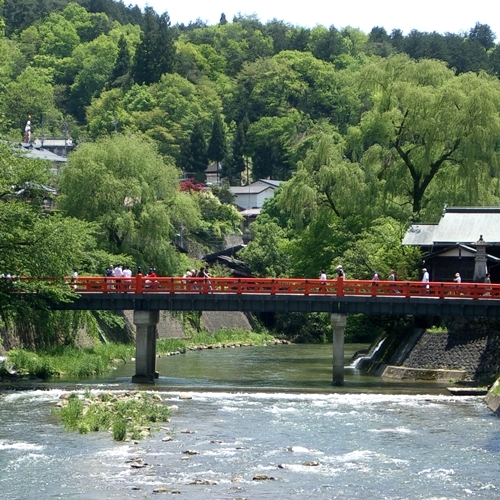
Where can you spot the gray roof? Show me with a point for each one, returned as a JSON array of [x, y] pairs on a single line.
[[271, 182], [41, 154], [458, 225], [250, 189], [420, 235]]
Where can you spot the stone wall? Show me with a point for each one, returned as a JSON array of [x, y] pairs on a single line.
[[476, 352]]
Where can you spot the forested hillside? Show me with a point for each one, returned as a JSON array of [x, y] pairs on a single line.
[[371, 130]]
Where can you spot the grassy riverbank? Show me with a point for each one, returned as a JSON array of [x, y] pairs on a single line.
[[85, 362]]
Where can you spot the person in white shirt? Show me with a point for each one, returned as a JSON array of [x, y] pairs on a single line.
[[425, 278], [127, 277], [118, 273]]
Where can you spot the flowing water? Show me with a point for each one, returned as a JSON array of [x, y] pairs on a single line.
[[259, 410]]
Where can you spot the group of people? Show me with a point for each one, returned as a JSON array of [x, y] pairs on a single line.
[[118, 275], [193, 273]]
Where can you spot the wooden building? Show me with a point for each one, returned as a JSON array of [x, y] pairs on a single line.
[[451, 245]]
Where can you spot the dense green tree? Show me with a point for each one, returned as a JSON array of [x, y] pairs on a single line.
[[95, 61], [326, 179], [483, 34], [155, 54], [427, 125], [326, 44], [198, 153], [217, 145], [32, 242], [269, 145], [236, 164], [123, 185], [31, 93], [266, 252], [120, 76]]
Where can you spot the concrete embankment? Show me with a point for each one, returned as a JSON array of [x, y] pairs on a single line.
[[469, 351]]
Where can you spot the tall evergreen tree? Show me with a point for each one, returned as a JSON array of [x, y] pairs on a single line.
[[155, 55], [165, 57], [121, 71], [145, 53], [237, 165], [217, 146], [198, 153]]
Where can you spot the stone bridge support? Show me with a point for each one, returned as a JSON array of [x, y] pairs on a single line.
[[339, 322], [145, 346]]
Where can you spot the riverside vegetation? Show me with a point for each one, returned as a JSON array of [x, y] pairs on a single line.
[[127, 416], [71, 361]]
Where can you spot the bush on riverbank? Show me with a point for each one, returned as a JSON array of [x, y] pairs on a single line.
[[85, 362], [127, 416]]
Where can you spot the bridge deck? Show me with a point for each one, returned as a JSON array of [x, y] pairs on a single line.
[[286, 295]]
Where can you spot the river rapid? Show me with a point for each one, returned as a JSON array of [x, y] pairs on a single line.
[[258, 410]]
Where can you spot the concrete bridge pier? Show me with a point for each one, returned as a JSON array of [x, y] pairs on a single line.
[[145, 346], [339, 322]]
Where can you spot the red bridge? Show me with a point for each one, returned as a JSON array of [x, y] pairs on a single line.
[[146, 297]]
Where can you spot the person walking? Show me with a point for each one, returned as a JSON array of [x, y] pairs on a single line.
[[375, 278], [425, 278], [322, 277], [458, 278], [340, 271]]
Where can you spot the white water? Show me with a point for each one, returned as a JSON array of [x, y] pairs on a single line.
[[371, 444]]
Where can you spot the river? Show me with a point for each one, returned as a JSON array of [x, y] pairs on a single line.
[[258, 410]]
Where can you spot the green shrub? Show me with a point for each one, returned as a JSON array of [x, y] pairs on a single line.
[[119, 429]]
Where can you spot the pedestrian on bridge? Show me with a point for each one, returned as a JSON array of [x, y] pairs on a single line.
[[340, 272], [425, 278], [458, 278]]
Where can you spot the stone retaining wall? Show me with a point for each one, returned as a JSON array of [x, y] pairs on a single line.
[[475, 352]]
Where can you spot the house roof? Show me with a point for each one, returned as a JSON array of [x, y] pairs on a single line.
[[458, 225], [250, 212], [41, 154], [213, 168], [271, 182], [250, 189]]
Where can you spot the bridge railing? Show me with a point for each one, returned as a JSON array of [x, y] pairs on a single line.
[[285, 286]]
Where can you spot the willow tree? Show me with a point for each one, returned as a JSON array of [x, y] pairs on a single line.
[[125, 186], [326, 179], [429, 135]]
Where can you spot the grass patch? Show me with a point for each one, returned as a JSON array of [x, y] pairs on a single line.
[[126, 416], [74, 362], [69, 361]]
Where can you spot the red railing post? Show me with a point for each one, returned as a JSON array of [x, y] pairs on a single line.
[[138, 283], [340, 286]]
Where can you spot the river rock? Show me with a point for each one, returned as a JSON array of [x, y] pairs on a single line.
[[311, 464], [263, 477], [191, 452], [160, 489], [205, 482], [185, 396], [167, 438]]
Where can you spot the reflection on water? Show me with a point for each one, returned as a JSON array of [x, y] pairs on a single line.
[[296, 367]]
